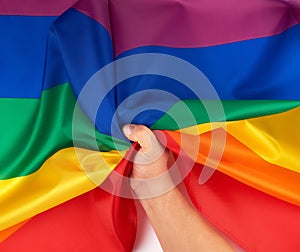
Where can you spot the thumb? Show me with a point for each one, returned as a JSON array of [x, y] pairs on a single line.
[[150, 150], [141, 134]]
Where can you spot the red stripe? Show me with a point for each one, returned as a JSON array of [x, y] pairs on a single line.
[[255, 220], [95, 221]]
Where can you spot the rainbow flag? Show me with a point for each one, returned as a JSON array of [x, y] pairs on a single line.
[[218, 82]]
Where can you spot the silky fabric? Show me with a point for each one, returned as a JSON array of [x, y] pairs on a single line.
[[63, 176], [246, 59], [233, 110], [41, 128], [268, 136], [7, 232], [254, 220], [189, 24], [272, 179], [241, 47], [35, 7], [93, 221], [268, 180], [16, 125], [241, 200]]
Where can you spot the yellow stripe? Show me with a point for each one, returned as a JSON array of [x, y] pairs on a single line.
[[59, 179], [275, 138]]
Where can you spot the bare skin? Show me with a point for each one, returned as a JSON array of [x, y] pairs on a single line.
[[178, 226]]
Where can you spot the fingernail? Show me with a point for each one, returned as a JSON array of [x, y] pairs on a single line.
[[127, 129]]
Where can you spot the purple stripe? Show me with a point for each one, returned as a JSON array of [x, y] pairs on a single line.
[[35, 7], [195, 23]]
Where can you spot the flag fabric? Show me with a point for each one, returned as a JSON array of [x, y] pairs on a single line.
[[50, 52]]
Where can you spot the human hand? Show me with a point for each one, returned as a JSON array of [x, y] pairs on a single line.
[[150, 164]]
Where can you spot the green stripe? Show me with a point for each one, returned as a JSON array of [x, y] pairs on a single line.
[[177, 117], [31, 130]]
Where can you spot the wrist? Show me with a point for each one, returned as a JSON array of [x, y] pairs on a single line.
[[152, 187]]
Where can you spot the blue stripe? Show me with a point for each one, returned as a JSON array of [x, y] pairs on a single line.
[[264, 68], [76, 47], [22, 55], [79, 46]]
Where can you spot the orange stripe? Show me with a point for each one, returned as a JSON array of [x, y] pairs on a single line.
[[244, 165], [7, 232]]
